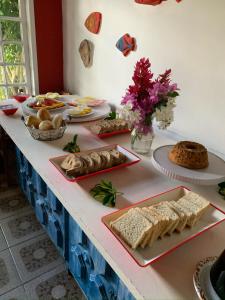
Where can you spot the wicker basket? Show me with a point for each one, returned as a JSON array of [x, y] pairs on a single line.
[[47, 135]]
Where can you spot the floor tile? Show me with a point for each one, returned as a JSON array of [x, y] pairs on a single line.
[[16, 294], [10, 204], [9, 278], [56, 284], [3, 244], [35, 257], [21, 227]]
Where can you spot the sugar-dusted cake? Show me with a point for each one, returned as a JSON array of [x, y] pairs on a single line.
[[190, 155]]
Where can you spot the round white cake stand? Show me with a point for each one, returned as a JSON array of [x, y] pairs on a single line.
[[201, 280], [213, 174]]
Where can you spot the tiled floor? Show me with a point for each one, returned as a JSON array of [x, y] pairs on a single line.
[[30, 266]]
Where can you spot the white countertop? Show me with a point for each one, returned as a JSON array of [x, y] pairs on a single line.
[[168, 278]]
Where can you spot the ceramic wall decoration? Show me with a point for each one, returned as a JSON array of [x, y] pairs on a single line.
[[126, 44], [93, 22], [152, 2], [86, 52]]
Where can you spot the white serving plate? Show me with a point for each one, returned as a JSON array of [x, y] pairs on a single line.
[[99, 112], [30, 111], [161, 247], [78, 115], [213, 174], [201, 280]]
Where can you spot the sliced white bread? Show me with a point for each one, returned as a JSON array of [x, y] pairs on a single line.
[[162, 222], [164, 209], [198, 200], [153, 220], [191, 207], [132, 227], [182, 213]]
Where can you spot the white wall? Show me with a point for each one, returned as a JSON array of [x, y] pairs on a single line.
[[188, 37]]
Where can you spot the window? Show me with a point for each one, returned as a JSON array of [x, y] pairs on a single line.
[[15, 74]]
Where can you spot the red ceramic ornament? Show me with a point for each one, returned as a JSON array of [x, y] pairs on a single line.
[[93, 22], [152, 2], [149, 2]]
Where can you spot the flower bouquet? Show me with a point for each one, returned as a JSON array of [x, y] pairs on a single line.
[[148, 99]]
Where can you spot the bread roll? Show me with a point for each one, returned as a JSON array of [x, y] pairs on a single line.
[[32, 121], [43, 114], [45, 125], [57, 121]]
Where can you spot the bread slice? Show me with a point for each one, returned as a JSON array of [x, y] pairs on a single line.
[[132, 227], [192, 208], [158, 222], [182, 213], [199, 201], [145, 212], [164, 209]]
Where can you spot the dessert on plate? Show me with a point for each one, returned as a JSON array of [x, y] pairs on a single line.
[[189, 155]]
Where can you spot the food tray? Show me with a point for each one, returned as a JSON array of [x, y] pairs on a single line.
[[212, 175], [161, 247], [100, 112], [109, 134], [131, 159]]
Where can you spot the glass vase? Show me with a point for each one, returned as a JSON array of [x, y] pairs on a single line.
[[141, 142]]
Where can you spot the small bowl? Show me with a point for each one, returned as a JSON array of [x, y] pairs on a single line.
[[10, 111], [21, 98]]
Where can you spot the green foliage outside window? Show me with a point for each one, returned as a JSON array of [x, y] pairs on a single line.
[[9, 8], [11, 52]]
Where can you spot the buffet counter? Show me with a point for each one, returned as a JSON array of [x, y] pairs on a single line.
[[171, 277]]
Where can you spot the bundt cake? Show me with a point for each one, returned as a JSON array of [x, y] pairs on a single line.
[[190, 155]]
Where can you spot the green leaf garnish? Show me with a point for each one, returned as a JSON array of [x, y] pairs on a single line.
[[105, 193], [72, 146], [222, 189], [111, 116], [173, 94]]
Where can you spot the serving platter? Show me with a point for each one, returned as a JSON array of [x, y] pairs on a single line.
[[69, 111], [213, 174], [201, 279], [99, 112], [30, 111], [145, 257], [109, 134], [131, 159]]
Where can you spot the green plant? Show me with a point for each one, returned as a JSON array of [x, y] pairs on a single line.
[[111, 116], [72, 146], [12, 52], [222, 189], [105, 193]]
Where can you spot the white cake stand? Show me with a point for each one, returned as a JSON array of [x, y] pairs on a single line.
[[213, 174]]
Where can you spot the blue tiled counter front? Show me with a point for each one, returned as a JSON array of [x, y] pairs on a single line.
[[94, 275]]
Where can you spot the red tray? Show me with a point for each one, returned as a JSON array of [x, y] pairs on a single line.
[[109, 134], [131, 159], [161, 247]]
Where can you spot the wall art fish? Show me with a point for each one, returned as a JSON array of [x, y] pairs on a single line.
[[86, 52], [126, 44], [93, 22]]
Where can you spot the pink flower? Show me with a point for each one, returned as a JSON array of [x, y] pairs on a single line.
[[148, 94]]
